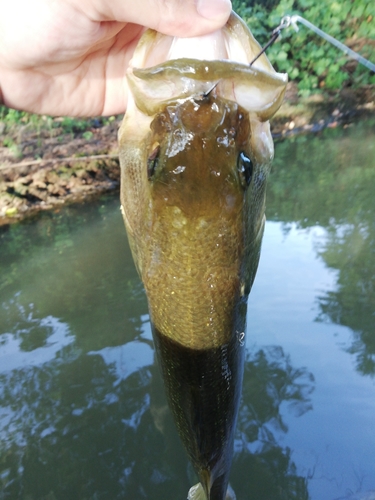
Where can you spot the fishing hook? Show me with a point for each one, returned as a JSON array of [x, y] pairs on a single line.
[[285, 23], [208, 92]]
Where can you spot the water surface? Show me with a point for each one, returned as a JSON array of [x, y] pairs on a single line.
[[82, 408]]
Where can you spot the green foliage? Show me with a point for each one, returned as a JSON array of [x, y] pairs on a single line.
[[12, 146], [311, 61], [73, 125], [87, 135], [13, 118]]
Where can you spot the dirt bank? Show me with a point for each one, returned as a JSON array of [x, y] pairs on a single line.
[[44, 168]]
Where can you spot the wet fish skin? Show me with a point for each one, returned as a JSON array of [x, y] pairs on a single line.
[[204, 388], [194, 169]]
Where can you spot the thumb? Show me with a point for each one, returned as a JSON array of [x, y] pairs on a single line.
[[183, 18]]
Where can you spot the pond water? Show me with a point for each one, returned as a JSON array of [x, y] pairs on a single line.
[[82, 407]]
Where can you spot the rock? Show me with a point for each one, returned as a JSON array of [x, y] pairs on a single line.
[[51, 177], [39, 194], [39, 175], [20, 188], [56, 190], [100, 175], [40, 185], [26, 180], [82, 174], [6, 199]]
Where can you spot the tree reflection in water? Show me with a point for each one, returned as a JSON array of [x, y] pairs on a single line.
[[94, 425], [331, 183], [351, 250], [269, 382]]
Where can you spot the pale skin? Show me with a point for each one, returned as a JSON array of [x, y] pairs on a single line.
[[69, 57]]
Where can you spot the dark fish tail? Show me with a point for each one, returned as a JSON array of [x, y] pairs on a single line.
[[203, 388]]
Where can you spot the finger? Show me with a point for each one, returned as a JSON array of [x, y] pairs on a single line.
[[183, 18]]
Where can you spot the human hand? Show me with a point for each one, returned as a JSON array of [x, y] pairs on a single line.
[[69, 57]]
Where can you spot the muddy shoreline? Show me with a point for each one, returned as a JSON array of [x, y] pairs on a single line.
[[46, 169]]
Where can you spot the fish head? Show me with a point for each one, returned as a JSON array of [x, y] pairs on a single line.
[[198, 161], [195, 153]]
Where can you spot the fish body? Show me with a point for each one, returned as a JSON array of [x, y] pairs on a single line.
[[195, 153]]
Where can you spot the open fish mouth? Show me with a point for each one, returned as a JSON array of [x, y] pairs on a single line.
[[256, 90], [165, 69]]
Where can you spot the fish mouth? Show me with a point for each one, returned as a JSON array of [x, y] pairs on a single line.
[[167, 69], [259, 92], [233, 42]]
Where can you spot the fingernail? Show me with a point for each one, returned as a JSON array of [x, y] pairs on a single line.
[[214, 9]]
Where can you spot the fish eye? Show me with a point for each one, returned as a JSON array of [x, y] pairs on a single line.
[[245, 169], [152, 161]]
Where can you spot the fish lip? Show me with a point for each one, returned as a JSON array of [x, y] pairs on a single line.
[[178, 80], [214, 69]]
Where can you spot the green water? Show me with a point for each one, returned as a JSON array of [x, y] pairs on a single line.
[[82, 409]]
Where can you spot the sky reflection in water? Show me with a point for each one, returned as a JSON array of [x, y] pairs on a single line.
[[82, 408]]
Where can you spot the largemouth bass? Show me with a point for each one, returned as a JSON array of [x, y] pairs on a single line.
[[195, 153]]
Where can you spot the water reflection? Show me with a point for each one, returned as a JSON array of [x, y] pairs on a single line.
[[83, 412], [83, 427], [37, 339], [269, 382], [82, 407], [351, 250], [96, 425], [340, 199]]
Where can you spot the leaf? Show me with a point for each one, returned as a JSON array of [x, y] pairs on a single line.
[[294, 73], [335, 7], [282, 55]]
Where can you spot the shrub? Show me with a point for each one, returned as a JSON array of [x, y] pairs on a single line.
[[314, 63]]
